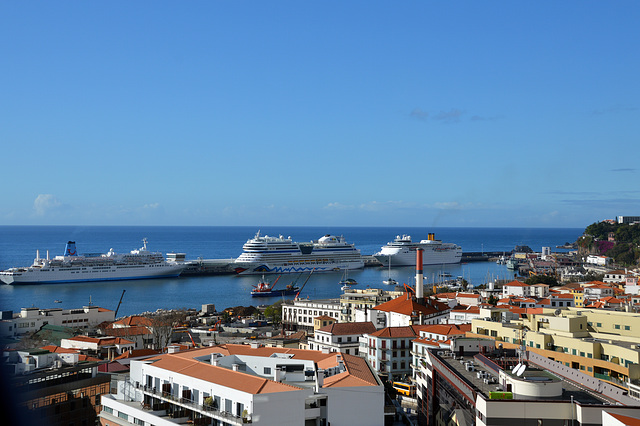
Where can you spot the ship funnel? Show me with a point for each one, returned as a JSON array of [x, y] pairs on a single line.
[[431, 236], [419, 277], [70, 249]]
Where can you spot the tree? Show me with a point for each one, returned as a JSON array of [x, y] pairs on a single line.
[[274, 313], [542, 279], [464, 283], [163, 324]]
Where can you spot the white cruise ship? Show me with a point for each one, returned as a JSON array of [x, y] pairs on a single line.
[[402, 252], [138, 264], [279, 255]]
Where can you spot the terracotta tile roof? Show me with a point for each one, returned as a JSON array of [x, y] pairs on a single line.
[[324, 318], [113, 367], [468, 309], [625, 420], [516, 283], [102, 341], [429, 342], [358, 372], [233, 379], [298, 335], [408, 306], [128, 331], [610, 299], [59, 350], [592, 283], [468, 295], [345, 328], [134, 320], [562, 296], [395, 332], [446, 329], [603, 285]]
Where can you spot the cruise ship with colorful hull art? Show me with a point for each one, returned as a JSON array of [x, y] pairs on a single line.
[[263, 254], [402, 252], [138, 264]]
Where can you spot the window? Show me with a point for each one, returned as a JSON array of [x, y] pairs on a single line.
[[123, 415], [267, 370], [108, 410], [626, 327], [617, 326]]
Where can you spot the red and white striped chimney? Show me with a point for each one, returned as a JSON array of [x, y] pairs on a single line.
[[419, 276]]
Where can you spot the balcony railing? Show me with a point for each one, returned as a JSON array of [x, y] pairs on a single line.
[[206, 410]]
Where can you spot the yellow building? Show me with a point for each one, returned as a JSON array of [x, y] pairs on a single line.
[[578, 297], [604, 344]]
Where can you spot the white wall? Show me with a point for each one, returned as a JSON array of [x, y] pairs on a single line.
[[355, 406]]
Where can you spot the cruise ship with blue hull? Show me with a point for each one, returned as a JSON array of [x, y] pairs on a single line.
[[111, 266], [263, 254]]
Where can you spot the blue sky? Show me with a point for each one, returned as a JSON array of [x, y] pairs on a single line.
[[352, 113]]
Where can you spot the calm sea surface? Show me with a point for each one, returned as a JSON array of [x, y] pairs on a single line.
[[18, 246]]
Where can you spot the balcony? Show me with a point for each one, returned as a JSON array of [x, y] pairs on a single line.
[[188, 404]]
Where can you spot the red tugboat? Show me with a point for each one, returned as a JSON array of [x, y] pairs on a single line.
[[265, 289]]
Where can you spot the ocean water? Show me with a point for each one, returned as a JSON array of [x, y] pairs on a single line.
[[18, 246]]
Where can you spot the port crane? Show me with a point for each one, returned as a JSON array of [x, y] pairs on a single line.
[[303, 284], [190, 336]]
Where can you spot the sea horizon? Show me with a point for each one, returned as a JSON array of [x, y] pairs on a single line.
[[18, 245]]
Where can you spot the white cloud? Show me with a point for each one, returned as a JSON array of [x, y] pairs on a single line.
[[151, 206], [338, 206], [45, 203], [448, 205]]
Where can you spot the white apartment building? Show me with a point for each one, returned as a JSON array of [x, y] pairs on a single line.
[[32, 319], [598, 260], [340, 337], [516, 288], [388, 350], [237, 384], [299, 314]]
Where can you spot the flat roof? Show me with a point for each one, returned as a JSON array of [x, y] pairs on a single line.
[[570, 390]]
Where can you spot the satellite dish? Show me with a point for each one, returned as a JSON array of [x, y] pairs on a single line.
[[513, 370], [521, 370], [557, 312]]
